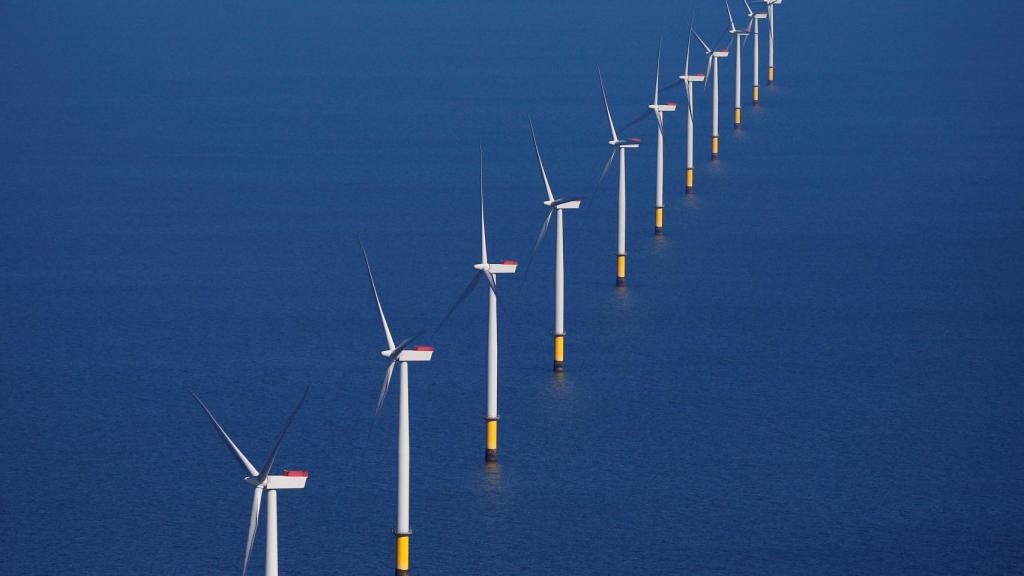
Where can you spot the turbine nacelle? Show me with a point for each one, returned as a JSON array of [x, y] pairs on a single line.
[[629, 143], [563, 203], [720, 54], [666, 107], [410, 354], [290, 480], [692, 78], [503, 267]]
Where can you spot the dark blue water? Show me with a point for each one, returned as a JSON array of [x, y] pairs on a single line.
[[816, 371]]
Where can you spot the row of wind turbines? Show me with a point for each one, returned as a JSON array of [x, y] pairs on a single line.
[[737, 40], [402, 353]]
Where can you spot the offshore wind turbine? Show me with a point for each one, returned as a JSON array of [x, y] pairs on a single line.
[[491, 271], [262, 480], [555, 206], [756, 18], [688, 80], [400, 354], [713, 56], [619, 146], [487, 269], [771, 38], [738, 36], [659, 111]]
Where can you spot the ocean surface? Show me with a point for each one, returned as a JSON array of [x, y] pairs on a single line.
[[817, 370]]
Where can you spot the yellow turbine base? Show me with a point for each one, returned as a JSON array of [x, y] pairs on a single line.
[[689, 178], [771, 74], [714, 146], [492, 434], [621, 276], [559, 351], [657, 220], [402, 553], [737, 117], [756, 94]]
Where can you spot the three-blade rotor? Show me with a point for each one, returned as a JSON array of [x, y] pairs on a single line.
[[258, 479], [551, 203]]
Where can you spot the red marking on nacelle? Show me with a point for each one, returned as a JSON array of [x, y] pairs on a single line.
[[634, 139], [510, 262], [423, 348], [300, 473]]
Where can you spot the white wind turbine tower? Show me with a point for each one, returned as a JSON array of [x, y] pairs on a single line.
[[262, 480], [555, 206], [756, 17], [738, 39], [619, 146], [713, 56], [400, 354], [689, 79], [659, 110]]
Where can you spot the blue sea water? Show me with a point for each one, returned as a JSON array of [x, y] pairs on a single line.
[[817, 370]]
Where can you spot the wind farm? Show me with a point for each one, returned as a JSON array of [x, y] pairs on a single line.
[[284, 208]]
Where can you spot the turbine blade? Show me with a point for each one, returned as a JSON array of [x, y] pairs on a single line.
[[403, 345], [689, 40], [254, 520], [750, 11], [227, 440], [640, 118], [661, 123], [732, 25], [540, 238], [543, 173], [277, 445], [392, 360], [483, 225], [671, 85], [689, 100], [384, 387], [462, 298], [490, 282], [707, 74], [657, 73], [707, 48], [724, 34], [380, 309], [604, 95], [607, 165]]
